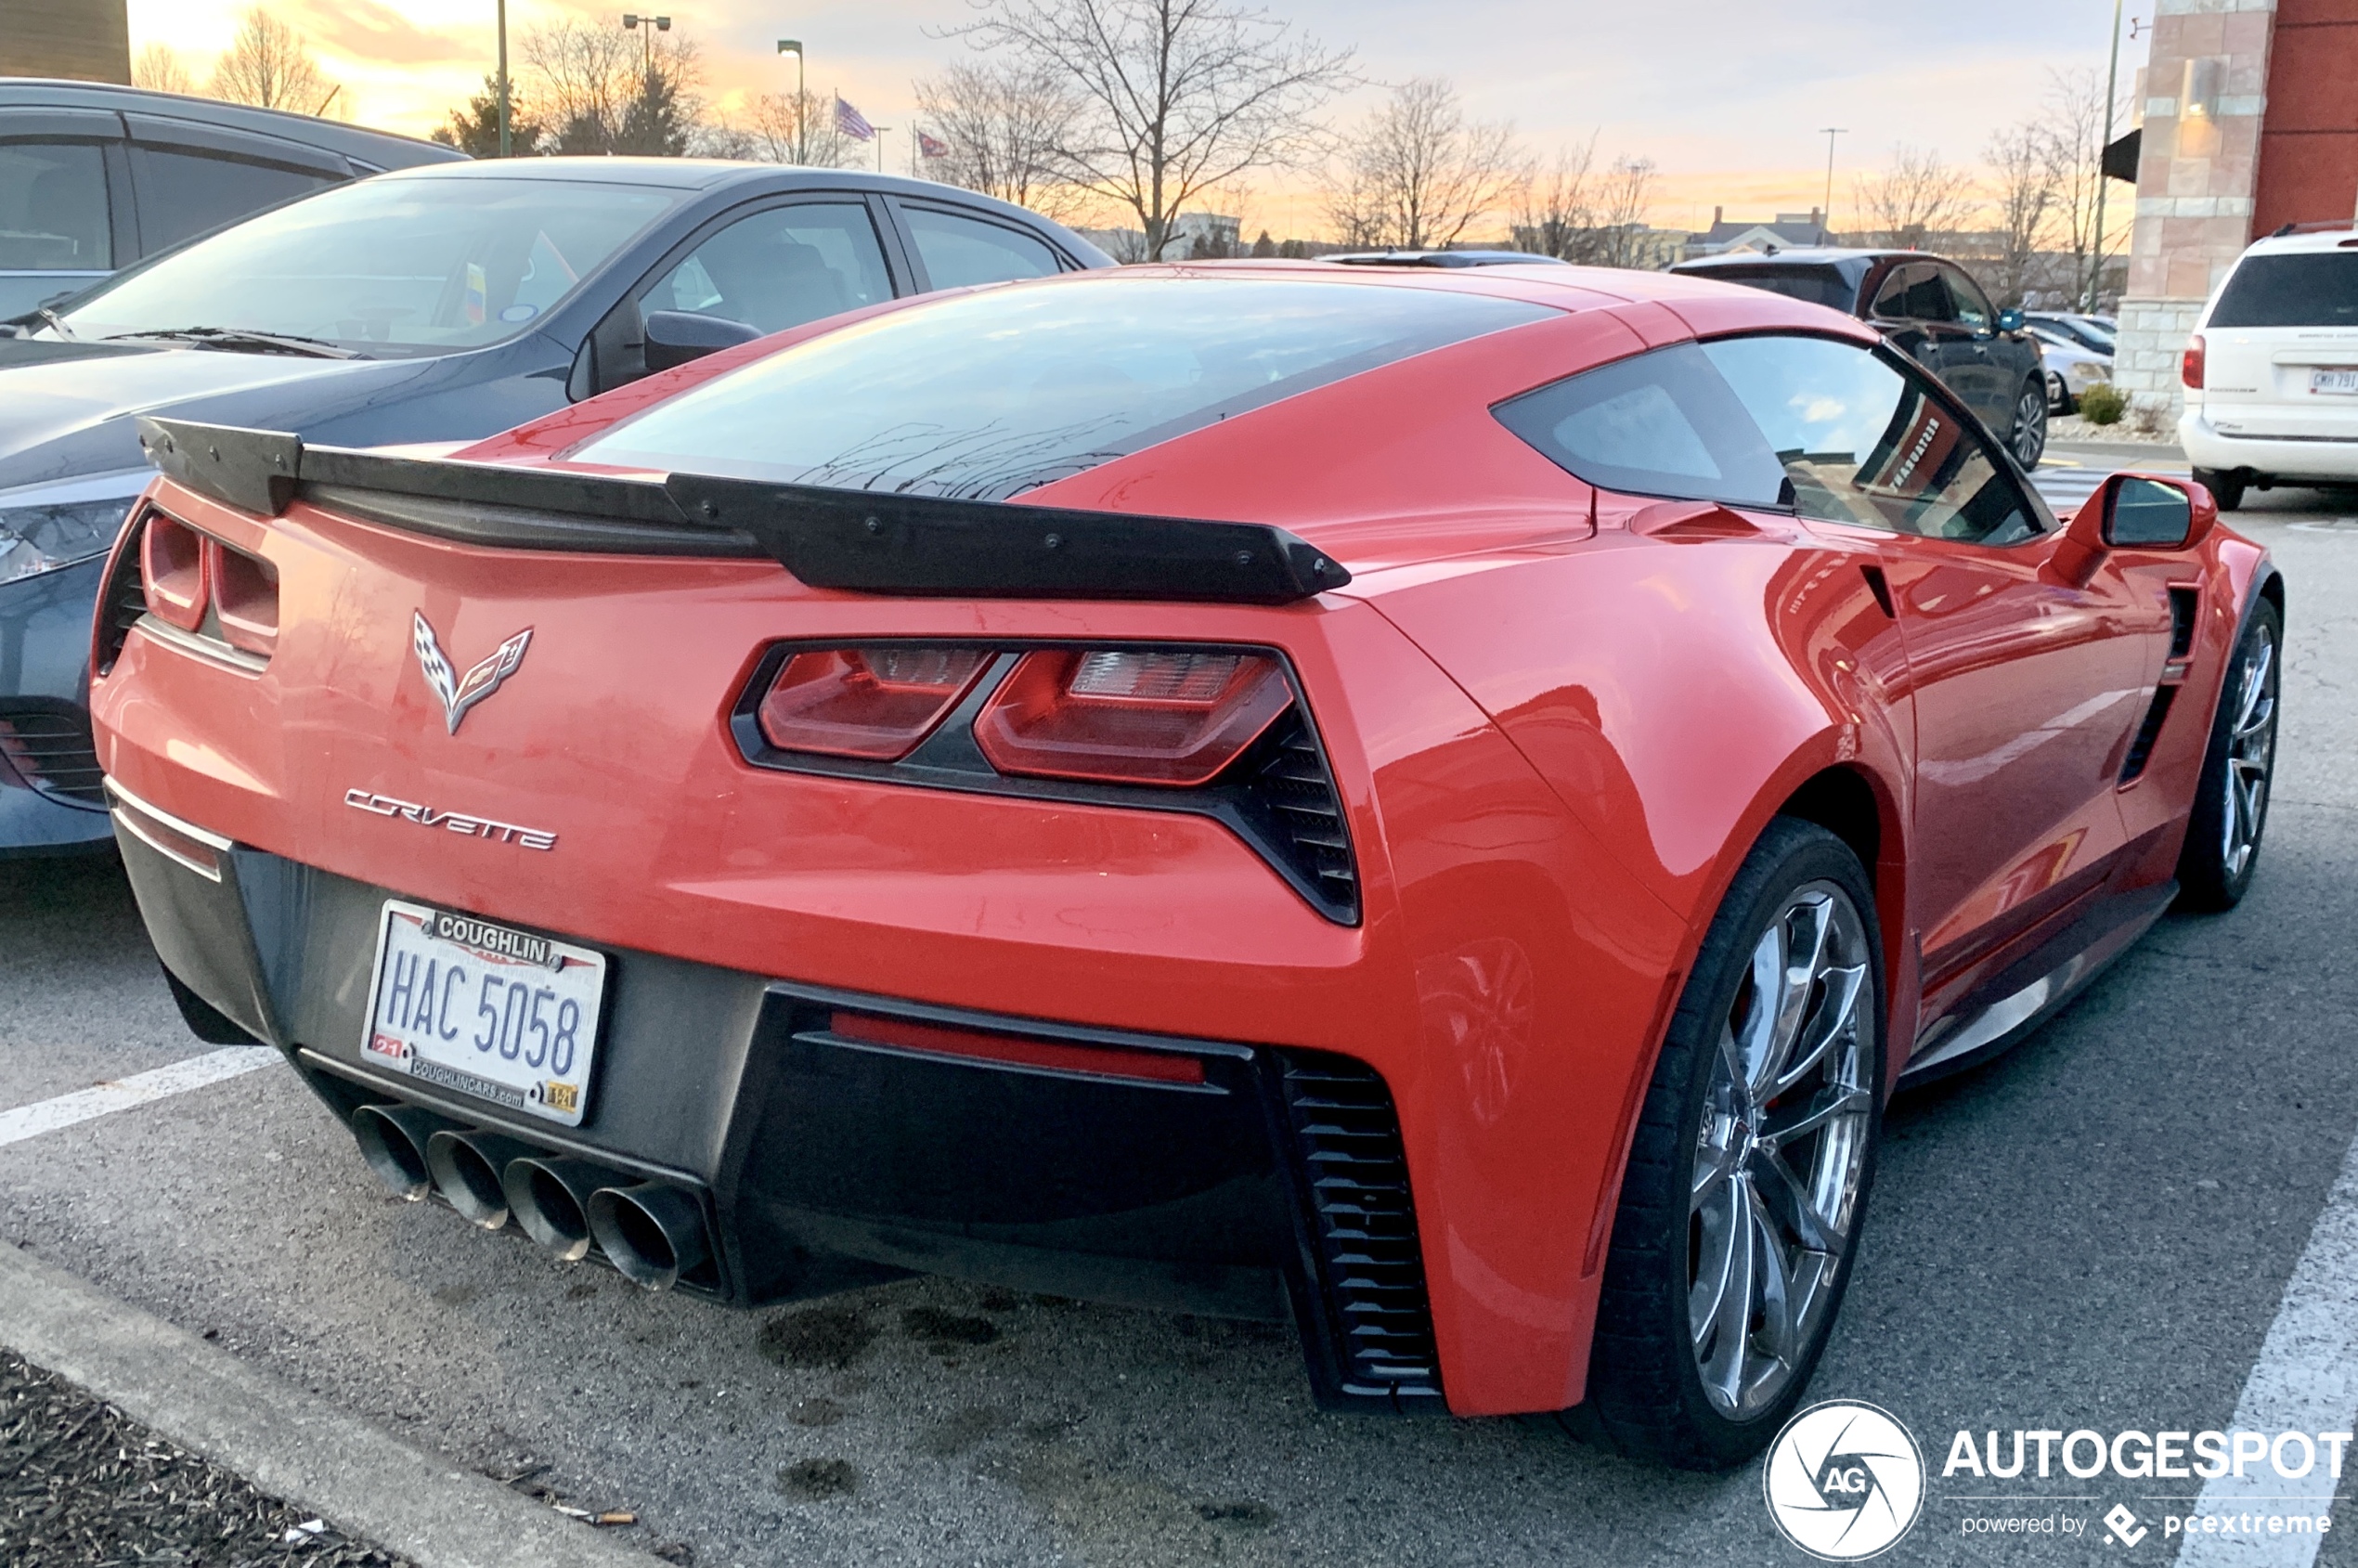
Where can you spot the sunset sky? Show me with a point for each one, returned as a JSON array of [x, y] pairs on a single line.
[[1727, 97]]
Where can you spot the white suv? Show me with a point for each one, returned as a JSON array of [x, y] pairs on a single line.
[[2271, 370]]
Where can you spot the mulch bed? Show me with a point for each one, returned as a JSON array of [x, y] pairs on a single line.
[[82, 1485]]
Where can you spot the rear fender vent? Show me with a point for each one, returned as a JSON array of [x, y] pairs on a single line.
[[2141, 749], [1288, 797], [122, 599], [1363, 1226], [2183, 602], [48, 742]]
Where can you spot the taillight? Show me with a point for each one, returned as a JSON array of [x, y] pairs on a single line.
[[245, 599], [1173, 716], [171, 561], [2190, 363], [869, 702]]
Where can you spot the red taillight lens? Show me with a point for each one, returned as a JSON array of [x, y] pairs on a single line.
[[172, 562], [2190, 363], [1105, 1061], [1166, 715], [870, 703], [245, 598]]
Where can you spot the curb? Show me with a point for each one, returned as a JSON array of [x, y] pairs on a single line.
[[366, 1481]]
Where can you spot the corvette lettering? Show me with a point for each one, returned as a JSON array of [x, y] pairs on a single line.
[[456, 821]]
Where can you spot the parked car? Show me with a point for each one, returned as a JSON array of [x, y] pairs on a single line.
[[845, 807], [2271, 370], [2097, 333], [1936, 314], [438, 303], [2071, 367], [93, 177], [1442, 258]]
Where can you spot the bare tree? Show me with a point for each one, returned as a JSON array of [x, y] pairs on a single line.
[[1005, 122], [1419, 174], [160, 69], [1624, 202], [1918, 196], [1554, 211], [1176, 96], [2073, 115], [792, 128], [266, 65], [2023, 185], [598, 90]]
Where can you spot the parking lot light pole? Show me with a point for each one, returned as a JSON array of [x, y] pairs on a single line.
[[503, 78], [794, 46], [2112, 91], [646, 38], [1826, 216]]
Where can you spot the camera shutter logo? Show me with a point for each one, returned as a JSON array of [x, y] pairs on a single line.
[[1843, 1481]]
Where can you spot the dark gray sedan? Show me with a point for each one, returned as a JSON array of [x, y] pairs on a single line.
[[440, 304]]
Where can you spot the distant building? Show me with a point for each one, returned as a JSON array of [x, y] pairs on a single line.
[[1790, 231], [86, 40], [1193, 235]]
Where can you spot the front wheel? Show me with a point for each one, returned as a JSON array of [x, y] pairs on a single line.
[[2029, 442], [2231, 803], [1748, 1173]]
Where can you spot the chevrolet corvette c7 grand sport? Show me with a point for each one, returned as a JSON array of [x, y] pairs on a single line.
[[1435, 805]]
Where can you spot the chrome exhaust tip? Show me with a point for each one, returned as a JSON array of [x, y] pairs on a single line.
[[392, 1139], [651, 1233], [550, 1197], [466, 1169]]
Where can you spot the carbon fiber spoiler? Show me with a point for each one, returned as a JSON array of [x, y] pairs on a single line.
[[861, 540]]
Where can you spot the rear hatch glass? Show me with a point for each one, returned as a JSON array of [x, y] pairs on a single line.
[[2315, 289], [1811, 285]]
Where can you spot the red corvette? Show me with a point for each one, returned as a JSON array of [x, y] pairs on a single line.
[[1437, 806]]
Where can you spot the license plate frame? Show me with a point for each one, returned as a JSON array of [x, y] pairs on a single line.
[[2334, 383], [432, 1023]]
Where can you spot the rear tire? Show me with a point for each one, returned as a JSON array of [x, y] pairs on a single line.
[[2029, 440], [2227, 489], [2238, 764], [1749, 1169]]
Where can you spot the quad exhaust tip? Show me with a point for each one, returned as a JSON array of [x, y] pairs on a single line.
[[651, 1233], [393, 1140], [467, 1167], [550, 1197]]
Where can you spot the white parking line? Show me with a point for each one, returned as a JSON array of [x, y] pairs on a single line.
[[47, 1116], [2306, 1381]]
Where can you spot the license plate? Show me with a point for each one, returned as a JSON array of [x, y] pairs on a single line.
[[2333, 381], [486, 1010]]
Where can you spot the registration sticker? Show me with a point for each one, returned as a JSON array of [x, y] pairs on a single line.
[[486, 1010]]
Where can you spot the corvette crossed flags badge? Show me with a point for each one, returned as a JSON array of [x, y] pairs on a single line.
[[458, 694]]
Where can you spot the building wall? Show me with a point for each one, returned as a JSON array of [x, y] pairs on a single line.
[[2309, 141], [89, 40]]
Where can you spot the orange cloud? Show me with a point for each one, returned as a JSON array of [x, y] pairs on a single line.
[[368, 31]]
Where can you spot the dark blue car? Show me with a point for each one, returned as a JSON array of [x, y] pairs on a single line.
[[439, 304]]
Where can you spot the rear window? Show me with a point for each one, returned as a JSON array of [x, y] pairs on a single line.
[[1811, 285], [988, 394], [2316, 290]]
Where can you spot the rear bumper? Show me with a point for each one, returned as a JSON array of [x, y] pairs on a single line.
[[824, 1162], [2330, 461]]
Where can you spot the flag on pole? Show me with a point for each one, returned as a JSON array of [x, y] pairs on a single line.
[[849, 121], [930, 147]]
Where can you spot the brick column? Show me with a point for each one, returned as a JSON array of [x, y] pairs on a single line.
[[2206, 86]]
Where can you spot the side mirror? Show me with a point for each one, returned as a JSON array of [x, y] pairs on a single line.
[[674, 337], [2009, 321], [2134, 511]]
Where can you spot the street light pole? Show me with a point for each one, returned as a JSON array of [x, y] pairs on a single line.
[[630, 23], [880, 130], [503, 78], [1826, 216], [802, 131], [2112, 91]]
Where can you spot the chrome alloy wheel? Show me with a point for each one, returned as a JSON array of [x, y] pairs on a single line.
[[2252, 750], [2029, 441], [1778, 1158]]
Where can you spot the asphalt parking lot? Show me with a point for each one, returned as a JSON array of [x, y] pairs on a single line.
[[2092, 1232]]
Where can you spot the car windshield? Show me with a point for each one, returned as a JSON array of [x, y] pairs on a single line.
[[1812, 285], [388, 266], [2318, 289], [985, 395]]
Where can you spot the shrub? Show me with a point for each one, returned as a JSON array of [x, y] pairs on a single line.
[[2102, 404]]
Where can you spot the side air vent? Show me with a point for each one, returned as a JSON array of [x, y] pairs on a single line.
[[1289, 791], [122, 599], [48, 742], [2141, 749], [1347, 1138], [2183, 605]]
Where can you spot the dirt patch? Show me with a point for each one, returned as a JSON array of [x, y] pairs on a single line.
[[817, 1411], [946, 1333], [814, 1480], [962, 1430], [817, 1337]]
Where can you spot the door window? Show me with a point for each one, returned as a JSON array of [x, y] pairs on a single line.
[[1972, 304], [1864, 444], [961, 251], [183, 193], [53, 208], [1914, 293], [781, 267]]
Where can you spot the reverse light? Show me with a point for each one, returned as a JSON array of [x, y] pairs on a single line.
[[876, 704], [1173, 716], [245, 599], [2190, 363], [173, 572]]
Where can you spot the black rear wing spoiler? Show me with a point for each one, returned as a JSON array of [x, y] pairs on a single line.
[[863, 540]]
